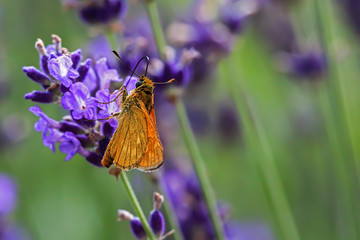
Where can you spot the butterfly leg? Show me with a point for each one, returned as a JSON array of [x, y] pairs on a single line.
[[104, 119], [122, 90]]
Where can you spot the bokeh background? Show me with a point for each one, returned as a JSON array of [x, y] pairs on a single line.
[[282, 93]]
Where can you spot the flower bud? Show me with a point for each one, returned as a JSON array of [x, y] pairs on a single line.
[[137, 228], [40, 96], [157, 222], [37, 76]]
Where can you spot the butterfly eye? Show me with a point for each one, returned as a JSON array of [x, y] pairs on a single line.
[[139, 83]]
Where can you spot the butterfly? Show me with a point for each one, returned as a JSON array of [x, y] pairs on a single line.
[[136, 142]]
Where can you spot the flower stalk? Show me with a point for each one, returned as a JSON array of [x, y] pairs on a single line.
[[156, 26], [200, 169], [136, 205], [265, 162], [187, 134], [339, 124]]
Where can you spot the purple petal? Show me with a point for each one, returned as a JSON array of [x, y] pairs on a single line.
[[105, 74], [76, 57], [40, 125], [70, 145], [130, 83], [54, 68], [90, 79], [68, 100], [53, 137], [73, 73], [76, 114]]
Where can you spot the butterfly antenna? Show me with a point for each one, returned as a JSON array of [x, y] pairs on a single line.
[[147, 60], [170, 81], [126, 64]]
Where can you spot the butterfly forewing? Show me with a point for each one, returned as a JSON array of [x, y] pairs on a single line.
[[153, 157], [129, 141]]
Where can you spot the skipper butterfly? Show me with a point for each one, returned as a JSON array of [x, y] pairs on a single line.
[[136, 142]]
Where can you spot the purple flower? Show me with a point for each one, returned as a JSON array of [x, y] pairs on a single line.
[[11, 231], [37, 76], [83, 70], [76, 58], [108, 109], [75, 83], [105, 74], [247, 231], [177, 66], [69, 145], [90, 80], [8, 195], [78, 100], [52, 136], [137, 228], [185, 195], [61, 69], [45, 122], [102, 12], [351, 9], [309, 65], [130, 84]]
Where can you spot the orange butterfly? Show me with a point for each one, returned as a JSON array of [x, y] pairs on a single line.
[[136, 142]]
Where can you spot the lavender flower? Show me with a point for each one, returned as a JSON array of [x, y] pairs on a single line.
[[309, 65], [101, 12], [187, 199], [107, 109], [137, 228], [156, 220], [235, 12], [177, 67], [67, 80], [8, 195], [78, 100], [61, 69], [8, 201], [351, 10], [106, 75]]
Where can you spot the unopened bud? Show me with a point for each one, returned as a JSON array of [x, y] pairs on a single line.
[[40, 47], [158, 200], [124, 215]]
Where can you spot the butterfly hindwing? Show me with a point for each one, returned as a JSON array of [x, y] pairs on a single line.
[[153, 157]]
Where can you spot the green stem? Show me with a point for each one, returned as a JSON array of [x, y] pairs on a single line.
[[186, 130], [199, 168], [136, 205], [156, 26], [337, 89], [265, 164], [111, 37], [338, 122]]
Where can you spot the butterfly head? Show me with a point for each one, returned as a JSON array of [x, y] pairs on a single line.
[[144, 82]]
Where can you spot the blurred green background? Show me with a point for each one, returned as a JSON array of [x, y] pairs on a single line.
[[312, 137]]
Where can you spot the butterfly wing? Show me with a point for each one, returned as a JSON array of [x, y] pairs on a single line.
[[129, 142], [153, 157]]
